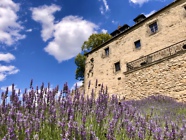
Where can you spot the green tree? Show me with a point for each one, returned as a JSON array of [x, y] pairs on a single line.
[[80, 63], [93, 41]]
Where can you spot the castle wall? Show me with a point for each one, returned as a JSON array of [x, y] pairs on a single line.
[[165, 78], [171, 29]]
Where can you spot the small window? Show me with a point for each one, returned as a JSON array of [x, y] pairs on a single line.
[[119, 78], [137, 44], [107, 51], [184, 46], [117, 66], [185, 7], [92, 60], [153, 27]]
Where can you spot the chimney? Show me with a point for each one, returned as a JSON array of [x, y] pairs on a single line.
[[124, 28], [139, 18], [119, 27]]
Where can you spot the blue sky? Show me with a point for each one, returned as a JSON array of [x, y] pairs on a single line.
[[40, 38]]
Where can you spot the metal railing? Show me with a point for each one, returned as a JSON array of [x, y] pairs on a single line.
[[157, 56]]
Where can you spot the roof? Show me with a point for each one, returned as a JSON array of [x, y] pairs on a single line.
[[130, 28]]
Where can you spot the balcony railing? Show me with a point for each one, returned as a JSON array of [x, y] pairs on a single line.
[[162, 54]]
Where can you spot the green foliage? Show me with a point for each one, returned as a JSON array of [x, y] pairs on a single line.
[[93, 41], [80, 63]]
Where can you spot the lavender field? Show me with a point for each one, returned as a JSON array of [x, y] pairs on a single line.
[[44, 114]]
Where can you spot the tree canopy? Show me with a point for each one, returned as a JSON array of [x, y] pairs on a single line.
[[80, 63], [93, 41]]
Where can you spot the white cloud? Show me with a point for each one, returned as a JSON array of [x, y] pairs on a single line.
[[7, 70], [29, 30], [44, 15], [10, 88], [149, 14], [9, 26], [6, 57], [140, 2], [2, 76], [101, 10], [79, 83], [115, 22], [105, 8], [68, 34], [104, 31], [106, 5], [9, 3]]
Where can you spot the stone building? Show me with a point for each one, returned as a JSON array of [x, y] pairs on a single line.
[[144, 59]]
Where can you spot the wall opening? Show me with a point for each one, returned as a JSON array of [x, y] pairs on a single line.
[[137, 44], [117, 66], [119, 78], [184, 47]]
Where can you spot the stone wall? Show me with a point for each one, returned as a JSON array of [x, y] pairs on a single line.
[[171, 29], [166, 78]]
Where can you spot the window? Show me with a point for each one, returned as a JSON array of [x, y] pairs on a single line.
[[119, 78], [117, 66], [137, 44], [153, 27], [92, 60], [184, 46], [185, 7], [107, 51]]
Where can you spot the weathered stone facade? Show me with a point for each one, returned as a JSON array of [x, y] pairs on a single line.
[[167, 77], [108, 63]]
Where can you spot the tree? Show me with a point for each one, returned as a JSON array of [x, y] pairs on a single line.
[[80, 63], [93, 41]]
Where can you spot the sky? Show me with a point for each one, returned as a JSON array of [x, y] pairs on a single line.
[[39, 39]]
